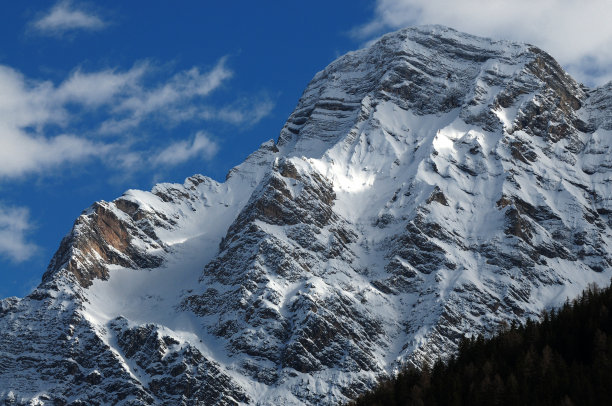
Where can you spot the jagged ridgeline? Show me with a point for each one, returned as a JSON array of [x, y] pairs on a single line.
[[431, 186], [565, 359]]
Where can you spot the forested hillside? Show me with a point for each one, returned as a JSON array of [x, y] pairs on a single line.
[[564, 359]]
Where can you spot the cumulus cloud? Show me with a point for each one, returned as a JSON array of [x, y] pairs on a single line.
[[65, 17], [577, 33], [201, 146], [14, 226]]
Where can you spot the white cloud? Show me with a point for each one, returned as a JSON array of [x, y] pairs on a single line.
[[182, 151], [24, 102], [97, 88], [118, 100], [172, 100], [22, 153], [14, 227], [64, 17], [25, 108], [246, 112], [577, 33]]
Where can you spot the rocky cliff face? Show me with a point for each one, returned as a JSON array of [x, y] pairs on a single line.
[[430, 186]]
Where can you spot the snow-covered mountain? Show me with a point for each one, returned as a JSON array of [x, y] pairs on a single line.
[[430, 186]]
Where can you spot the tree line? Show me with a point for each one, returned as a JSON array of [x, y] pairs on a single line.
[[563, 359]]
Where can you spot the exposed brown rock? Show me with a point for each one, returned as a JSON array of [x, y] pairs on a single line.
[[98, 239]]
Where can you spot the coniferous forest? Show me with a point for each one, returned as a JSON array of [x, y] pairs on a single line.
[[564, 359]]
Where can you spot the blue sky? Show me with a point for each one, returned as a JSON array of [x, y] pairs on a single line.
[[100, 97]]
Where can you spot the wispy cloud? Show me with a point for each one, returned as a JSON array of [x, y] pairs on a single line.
[[200, 146], [174, 100], [578, 33], [98, 88], [42, 125], [65, 16], [245, 112], [14, 227]]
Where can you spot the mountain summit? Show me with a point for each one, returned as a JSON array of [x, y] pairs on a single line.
[[431, 186]]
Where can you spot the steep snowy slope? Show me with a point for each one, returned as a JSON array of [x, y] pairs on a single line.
[[433, 185]]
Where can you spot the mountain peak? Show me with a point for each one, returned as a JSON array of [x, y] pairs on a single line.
[[426, 70], [430, 186]]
